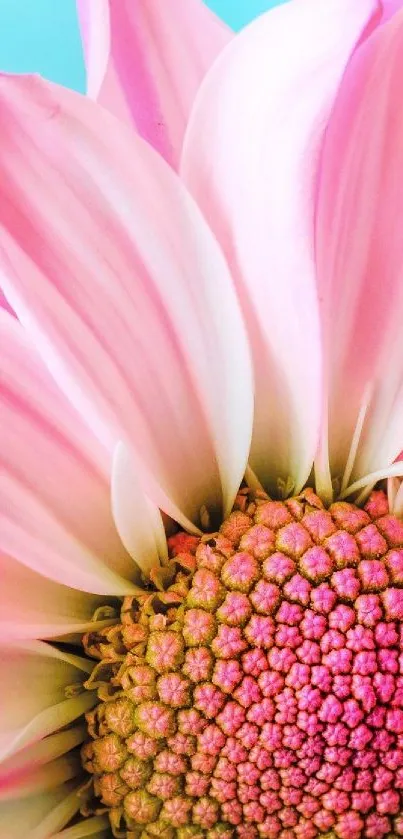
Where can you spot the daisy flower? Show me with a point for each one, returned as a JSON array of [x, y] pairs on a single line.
[[202, 415]]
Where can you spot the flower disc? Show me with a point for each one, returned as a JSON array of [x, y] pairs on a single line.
[[257, 690]]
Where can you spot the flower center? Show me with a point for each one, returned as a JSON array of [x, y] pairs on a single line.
[[256, 691]]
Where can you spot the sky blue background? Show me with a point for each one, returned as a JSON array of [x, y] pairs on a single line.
[[41, 36]]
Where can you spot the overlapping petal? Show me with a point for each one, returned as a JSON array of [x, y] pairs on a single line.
[[42, 766], [40, 694], [395, 494], [389, 8], [4, 303], [145, 61], [40, 793], [360, 257], [250, 158], [139, 523], [111, 267], [34, 606], [97, 827], [54, 486], [32, 815]]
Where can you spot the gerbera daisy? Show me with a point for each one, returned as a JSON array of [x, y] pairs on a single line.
[[201, 400]]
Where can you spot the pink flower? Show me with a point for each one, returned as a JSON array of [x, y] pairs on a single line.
[[227, 303]]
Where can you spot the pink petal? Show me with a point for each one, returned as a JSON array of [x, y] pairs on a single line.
[[58, 813], [360, 255], [146, 59], [389, 8], [398, 502], [94, 22], [55, 512], [42, 766], [139, 524], [21, 821], [41, 778], [32, 606], [250, 159], [4, 303], [395, 494], [33, 699], [111, 267], [97, 827]]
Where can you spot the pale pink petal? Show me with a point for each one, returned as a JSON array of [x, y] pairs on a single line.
[[94, 21], [54, 488], [360, 257], [60, 815], [139, 526], [4, 303], [367, 482], [41, 694], [145, 61], [395, 496], [98, 827], [389, 8], [41, 778], [42, 766], [32, 606], [397, 508], [250, 159], [111, 267], [23, 820]]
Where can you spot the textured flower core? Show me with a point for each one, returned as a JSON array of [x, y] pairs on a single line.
[[257, 689]]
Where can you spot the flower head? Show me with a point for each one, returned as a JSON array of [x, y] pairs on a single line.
[[208, 296]]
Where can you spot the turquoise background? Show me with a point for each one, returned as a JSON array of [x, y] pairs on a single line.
[[41, 36]]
